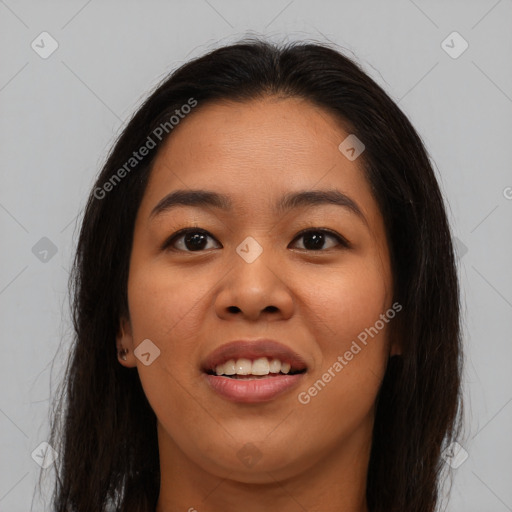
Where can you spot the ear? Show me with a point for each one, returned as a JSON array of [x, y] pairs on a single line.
[[125, 345]]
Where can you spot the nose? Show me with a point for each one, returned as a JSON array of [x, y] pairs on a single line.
[[255, 291]]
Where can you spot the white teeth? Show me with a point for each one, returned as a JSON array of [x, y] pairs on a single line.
[[243, 367], [260, 366], [229, 367], [275, 366]]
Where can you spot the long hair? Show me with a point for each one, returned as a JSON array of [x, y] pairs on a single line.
[[103, 426]]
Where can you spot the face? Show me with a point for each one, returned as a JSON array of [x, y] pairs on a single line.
[[313, 275]]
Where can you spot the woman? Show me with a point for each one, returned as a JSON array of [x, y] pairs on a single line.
[[265, 301]]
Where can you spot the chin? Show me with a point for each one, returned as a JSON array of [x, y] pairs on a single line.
[[251, 465]]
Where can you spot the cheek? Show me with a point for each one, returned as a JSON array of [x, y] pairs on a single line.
[[346, 301], [164, 307], [168, 308], [164, 304], [348, 307]]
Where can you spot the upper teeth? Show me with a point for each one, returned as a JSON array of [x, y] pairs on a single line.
[[261, 366]]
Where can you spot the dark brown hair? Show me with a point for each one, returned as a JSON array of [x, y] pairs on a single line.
[[103, 426]]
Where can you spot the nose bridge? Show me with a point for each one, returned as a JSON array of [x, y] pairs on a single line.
[[253, 284]]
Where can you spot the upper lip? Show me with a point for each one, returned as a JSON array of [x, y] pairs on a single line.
[[247, 349]]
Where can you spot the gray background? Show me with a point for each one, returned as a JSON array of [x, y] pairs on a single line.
[[60, 115]]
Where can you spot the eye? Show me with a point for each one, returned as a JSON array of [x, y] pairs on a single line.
[[190, 240], [315, 239]]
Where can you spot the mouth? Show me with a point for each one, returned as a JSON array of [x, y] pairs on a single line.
[[251, 372]]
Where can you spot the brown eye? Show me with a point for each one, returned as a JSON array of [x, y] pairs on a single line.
[[316, 239], [189, 240]]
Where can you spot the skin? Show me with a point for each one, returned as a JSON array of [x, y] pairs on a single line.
[[312, 456]]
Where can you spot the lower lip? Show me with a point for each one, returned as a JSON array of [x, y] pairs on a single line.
[[253, 391]]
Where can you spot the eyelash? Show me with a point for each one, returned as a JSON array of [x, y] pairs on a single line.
[[182, 232]]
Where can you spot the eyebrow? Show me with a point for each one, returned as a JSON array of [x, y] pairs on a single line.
[[291, 200]]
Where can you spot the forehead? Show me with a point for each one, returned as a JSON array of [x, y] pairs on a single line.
[[256, 151]]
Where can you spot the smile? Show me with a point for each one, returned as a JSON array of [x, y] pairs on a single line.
[[252, 372]]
